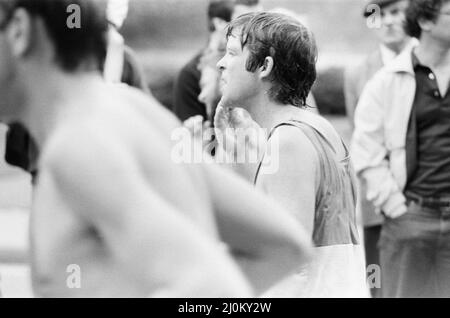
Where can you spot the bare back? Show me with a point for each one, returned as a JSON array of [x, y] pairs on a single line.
[[118, 123]]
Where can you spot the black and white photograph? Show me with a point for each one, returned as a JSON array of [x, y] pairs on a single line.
[[241, 151]]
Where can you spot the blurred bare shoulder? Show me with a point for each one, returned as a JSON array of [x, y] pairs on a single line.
[[150, 108]]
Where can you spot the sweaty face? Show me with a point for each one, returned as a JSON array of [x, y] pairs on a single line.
[[392, 21], [237, 85]]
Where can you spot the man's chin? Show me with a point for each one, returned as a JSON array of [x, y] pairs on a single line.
[[222, 90], [227, 103], [393, 38]]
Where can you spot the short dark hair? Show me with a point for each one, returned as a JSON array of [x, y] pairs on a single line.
[[222, 9], [73, 45], [421, 9], [292, 47]]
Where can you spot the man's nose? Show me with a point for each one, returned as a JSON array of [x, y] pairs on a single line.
[[221, 64], [388, 19]]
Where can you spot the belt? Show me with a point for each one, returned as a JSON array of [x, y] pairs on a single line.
[[429, 202]]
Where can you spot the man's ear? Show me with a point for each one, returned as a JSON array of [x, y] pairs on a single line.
[[425, 25], [19, 32], [266, 69]]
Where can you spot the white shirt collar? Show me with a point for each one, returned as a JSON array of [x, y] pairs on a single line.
[[387, 55]]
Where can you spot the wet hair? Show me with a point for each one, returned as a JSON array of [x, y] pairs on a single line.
[[73, 46], [292, 47], [222, 9], [421, 9]]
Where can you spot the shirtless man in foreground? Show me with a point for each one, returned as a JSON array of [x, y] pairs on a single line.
[[108, 198]]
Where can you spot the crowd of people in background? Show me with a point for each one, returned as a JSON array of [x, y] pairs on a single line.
[[109, 196], [393, 39], [400, 149]]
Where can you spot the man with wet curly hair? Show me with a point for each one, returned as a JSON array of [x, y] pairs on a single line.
[[291, 45], [267, 73]]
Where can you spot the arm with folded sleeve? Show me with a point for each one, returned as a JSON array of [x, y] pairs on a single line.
[[370, 154]]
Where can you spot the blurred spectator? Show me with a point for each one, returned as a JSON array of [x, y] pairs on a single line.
[[132, 72], [121, 65], [187, 86], [21, 151], [401, 147], [392, 40]]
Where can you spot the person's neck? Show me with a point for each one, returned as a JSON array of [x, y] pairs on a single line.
[[397, 47], [433, 53], [49, 96], [266, 112]]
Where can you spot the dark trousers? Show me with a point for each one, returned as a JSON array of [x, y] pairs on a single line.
[[371, 239], [415, 253]]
